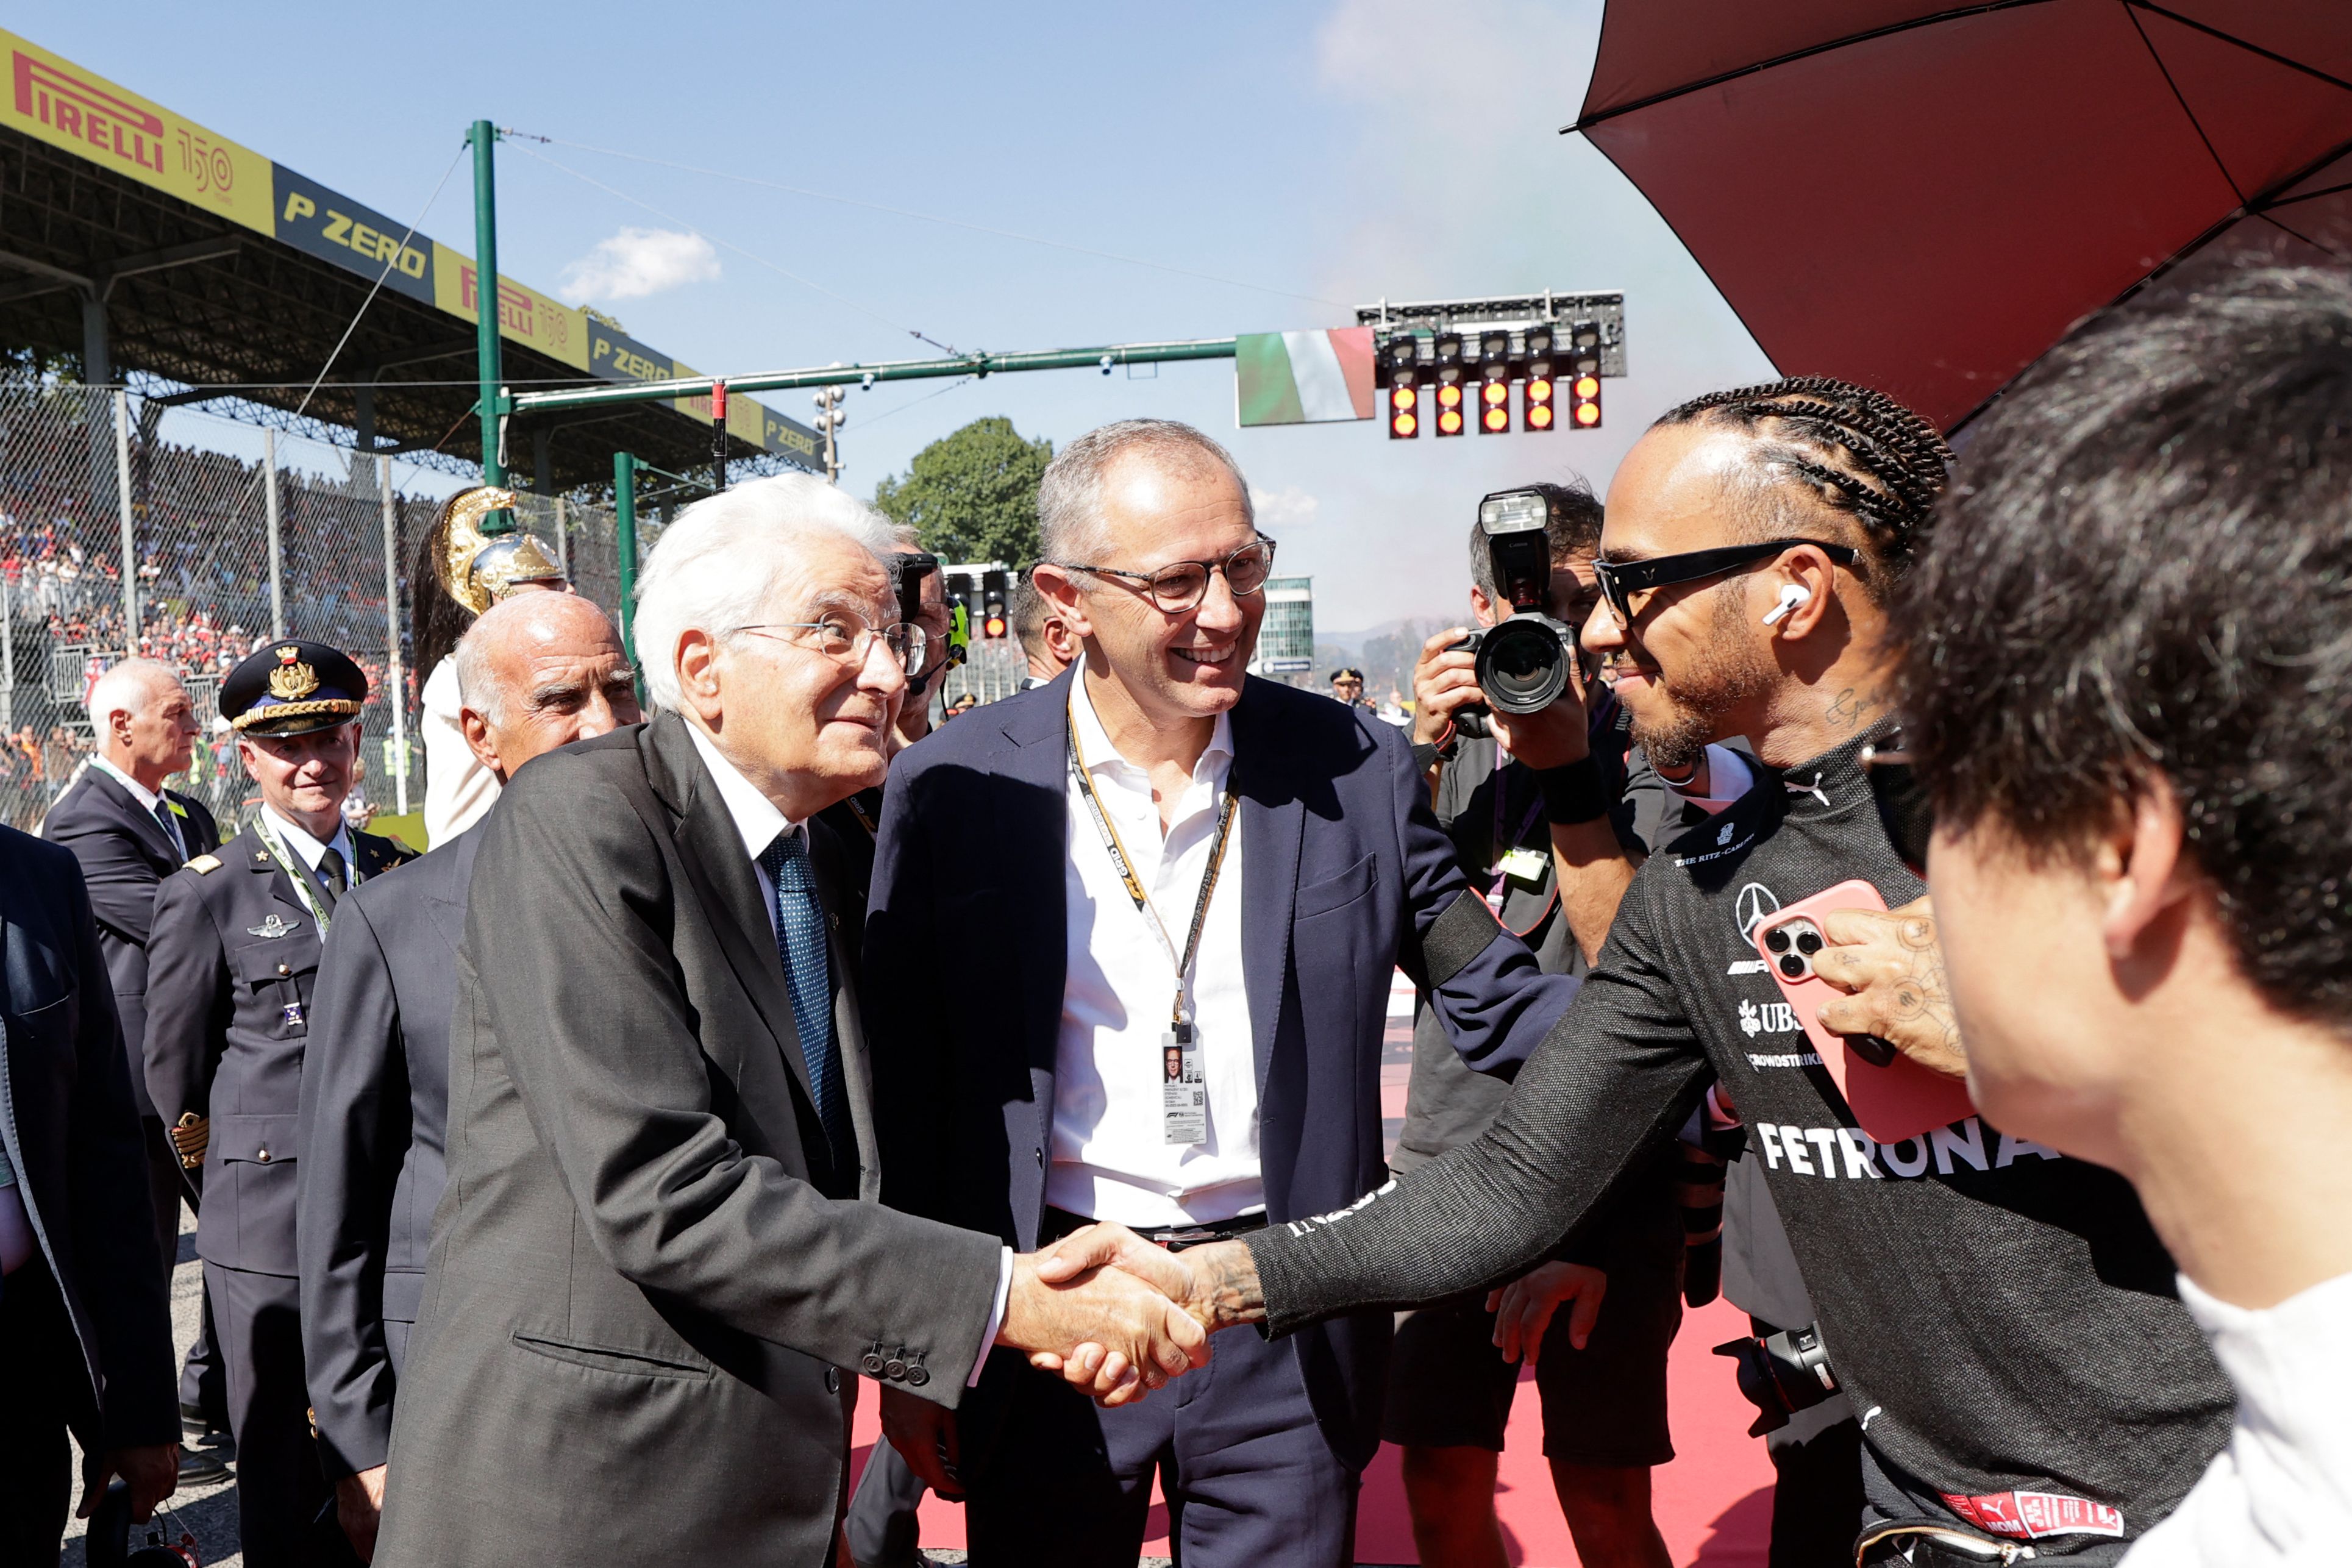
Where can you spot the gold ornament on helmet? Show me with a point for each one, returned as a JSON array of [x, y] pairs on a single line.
[[478, 570]]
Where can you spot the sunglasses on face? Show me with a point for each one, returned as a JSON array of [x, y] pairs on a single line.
[[1620, 581]]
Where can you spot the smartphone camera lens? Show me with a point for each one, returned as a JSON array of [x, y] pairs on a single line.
[[1810, 943], [1793, 967], [1777, 939]]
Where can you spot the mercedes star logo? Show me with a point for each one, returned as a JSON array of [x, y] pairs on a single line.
[[1756, 902]]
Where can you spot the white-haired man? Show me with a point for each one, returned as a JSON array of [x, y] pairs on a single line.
[[129, 832], [652, 1261]]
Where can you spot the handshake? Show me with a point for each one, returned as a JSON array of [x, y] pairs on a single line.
[[1119, 1317]]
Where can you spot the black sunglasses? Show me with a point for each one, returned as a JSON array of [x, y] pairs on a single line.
[[1621, 580]]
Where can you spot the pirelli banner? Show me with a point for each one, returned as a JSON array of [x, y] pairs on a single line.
[[54, 100]]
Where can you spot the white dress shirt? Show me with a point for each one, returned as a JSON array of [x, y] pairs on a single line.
[[147, 800], [458, 791], [312, 850], [2280, 1495], [758, 822], [1110, 1157]]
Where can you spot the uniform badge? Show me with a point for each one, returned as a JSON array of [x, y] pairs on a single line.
[[274, 927], [292, 680], [293, 1014]]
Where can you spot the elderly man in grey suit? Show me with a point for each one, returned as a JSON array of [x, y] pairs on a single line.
[[537, 671], [657, 1252]]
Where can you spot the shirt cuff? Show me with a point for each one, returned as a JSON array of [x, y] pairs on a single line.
[[1729, 777], [995, 1317]]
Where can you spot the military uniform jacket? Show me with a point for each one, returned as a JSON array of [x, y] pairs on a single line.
[[231, 960], [125, 854]]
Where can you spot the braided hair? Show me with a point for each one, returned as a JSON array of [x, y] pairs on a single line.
[[1858, 452]]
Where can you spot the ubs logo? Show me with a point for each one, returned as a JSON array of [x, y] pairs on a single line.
[[1772, 1018], [1755, 904]]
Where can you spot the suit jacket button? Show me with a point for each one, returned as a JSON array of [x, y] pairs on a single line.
[[870, 1364], [832, 1381], [894, 1369], [284, 969], [917, 1376], [262, 1155]]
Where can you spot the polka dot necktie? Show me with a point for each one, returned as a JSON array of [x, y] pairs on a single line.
[[800, 943]]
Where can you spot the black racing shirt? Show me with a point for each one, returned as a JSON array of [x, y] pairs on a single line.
[[2003, 1318]]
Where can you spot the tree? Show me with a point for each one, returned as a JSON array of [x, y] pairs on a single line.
[[972, 495]]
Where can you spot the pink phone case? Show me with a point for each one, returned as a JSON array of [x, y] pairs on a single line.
[[1900, 1100]]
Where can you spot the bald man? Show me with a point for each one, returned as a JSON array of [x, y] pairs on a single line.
[[130, 833], [536, 672]]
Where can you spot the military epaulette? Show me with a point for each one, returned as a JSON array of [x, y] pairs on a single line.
[[204, 864]]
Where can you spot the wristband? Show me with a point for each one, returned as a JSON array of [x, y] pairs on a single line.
[[1427, 754], [1574, 793]]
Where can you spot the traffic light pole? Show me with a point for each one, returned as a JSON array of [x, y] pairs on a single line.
[[510, 404], [488, 360], [624, 540]]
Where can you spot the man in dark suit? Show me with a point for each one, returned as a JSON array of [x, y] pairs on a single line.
[[85, 1335], [1156, 824], [130, 833], [231, 963], [537, 671], [652, 1261]]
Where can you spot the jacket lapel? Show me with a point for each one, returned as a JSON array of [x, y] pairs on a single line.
[[151, 832], [1028, 824], [725, 883], [1272, 821]]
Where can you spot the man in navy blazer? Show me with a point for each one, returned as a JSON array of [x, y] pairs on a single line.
[[1045, 872]]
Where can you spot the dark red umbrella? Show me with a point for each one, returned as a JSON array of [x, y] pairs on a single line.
[[1922, 197]]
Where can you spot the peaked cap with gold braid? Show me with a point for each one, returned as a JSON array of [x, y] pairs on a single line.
[[476, 569], [292, 687]]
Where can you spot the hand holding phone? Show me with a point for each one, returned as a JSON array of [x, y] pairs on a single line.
[[1892, 1098]]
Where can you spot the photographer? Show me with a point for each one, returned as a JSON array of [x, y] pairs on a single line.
[[1600, 1370]]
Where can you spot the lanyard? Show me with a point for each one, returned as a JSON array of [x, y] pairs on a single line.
[[304, 888], [1179, 1016]]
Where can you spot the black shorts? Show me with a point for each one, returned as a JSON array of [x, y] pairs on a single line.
[[1605, 1404]]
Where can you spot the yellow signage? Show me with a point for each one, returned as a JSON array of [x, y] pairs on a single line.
[[55, 102], [527, 316]]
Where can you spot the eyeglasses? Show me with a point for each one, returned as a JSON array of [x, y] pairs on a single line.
[[1621, 580], [1181, 586], [850, 640]]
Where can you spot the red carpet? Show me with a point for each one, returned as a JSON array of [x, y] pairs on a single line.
[[1714, 1503]]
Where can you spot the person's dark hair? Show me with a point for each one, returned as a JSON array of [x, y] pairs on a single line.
[[1571, 527], [436, 621], [2145, 582], [1027, 613], [1857, 451]]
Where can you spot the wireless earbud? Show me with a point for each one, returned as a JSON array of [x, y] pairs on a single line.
[[1791, 596]]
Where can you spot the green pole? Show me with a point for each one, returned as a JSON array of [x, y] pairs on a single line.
[[483, 139], [625, 532]]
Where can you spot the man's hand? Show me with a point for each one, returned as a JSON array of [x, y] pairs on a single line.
[[151, 1473], [1445, 681], [925, 1435], [359, 1509], [1892, 969], [1216, 1284], [1143, 1337], [1523, 1308]]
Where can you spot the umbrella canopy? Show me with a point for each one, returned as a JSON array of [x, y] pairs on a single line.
[[1922, 199]]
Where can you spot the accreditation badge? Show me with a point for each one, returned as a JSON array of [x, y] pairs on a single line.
[[1184, 1089]]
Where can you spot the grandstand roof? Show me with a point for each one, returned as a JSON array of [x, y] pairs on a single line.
[[218, 267]]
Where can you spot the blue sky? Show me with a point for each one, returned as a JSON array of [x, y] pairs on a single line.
[[1309, 158]]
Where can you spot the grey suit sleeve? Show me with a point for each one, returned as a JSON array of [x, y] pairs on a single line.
[[112, 1216], [571, 928], [187, 1000], [354, 1121]]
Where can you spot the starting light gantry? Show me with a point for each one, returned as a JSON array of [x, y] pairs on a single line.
[[1467, 354]]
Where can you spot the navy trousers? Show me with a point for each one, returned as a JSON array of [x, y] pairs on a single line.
[[1248, 1478]]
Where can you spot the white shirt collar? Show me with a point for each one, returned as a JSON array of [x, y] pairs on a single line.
[[139, 791], [756, 817], [312, 851], [1094, 741]]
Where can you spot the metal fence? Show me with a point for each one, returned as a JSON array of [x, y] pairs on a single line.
[[128, 525]]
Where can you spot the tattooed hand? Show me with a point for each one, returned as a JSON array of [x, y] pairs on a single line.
[[1892, 971]]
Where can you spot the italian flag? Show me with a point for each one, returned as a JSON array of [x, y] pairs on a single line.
[[1303, 378]]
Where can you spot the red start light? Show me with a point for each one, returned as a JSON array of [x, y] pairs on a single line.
[[1402, 397], [1449, 422], [993, 626], [1588, 386], [1406, 425], [1538, 390], [1588, 414], [1449, 396], [1497, 420], [1539, 417], [1496, 392]]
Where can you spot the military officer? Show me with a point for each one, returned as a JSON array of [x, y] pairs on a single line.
[[233, 952]]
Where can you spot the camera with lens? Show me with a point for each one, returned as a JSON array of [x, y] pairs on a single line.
[[1780, 1374], [1522, 660]]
